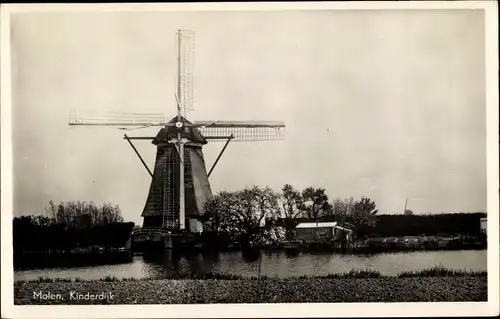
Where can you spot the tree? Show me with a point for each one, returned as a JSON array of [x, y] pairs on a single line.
[[339, 210], [293, 205], [94, 213], [63, 217], [110, 214], [59, 229], [363, 210], [219, 213], [242, 214], [43, 221], [68, 214], [315, 202], [51, 210], [363, 216]]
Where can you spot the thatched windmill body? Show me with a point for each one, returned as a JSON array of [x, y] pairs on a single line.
[[180, 185]]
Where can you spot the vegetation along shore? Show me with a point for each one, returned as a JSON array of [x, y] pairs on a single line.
[[73, 228], [434, 284]]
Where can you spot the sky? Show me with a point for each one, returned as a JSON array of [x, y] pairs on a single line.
[[384, 104]]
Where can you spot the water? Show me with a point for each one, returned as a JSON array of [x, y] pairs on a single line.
[[273, 264]]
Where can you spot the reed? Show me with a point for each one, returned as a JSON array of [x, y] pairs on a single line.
[[436, 271], [440, 271]]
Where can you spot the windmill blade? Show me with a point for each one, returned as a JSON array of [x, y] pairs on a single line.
[[205, 125], [178, 103], [242, 131], [99, 118], [139, 124], [133, 128], [244, 124], [185, 70]]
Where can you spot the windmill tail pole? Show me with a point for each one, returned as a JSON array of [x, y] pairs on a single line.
[[139, 155], [220, 154], [182, 203]]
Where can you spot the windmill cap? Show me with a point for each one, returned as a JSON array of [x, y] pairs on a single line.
[[171, 131]]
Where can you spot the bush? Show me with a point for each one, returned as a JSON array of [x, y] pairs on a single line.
[[31, 236]]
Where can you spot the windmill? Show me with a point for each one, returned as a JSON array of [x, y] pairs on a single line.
[[407, 211], [179, 182]]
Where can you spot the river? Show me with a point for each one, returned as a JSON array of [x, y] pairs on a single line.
[[273, 264]]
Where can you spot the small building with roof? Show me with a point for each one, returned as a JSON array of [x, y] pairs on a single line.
[[312, 232], [483, 225]]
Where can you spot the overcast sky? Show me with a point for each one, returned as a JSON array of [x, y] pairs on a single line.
[[384, 104]]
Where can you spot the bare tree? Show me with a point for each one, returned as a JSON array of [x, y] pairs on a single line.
[[293, 205], [94, 213], [51, 210], [69, 214], [340, 210], [110, 214]]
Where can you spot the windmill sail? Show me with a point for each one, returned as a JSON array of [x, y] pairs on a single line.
[[185, 70], [243, 131], [116, 118]]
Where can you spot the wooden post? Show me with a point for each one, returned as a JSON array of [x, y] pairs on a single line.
[[182, 202], [220, 154], [258, 275], [139, 155]]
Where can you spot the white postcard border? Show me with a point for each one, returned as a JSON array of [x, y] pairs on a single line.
[[258, 310]]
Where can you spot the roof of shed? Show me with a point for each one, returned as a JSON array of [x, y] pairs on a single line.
[[317, 225]]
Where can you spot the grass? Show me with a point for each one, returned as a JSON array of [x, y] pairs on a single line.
[[436, 271], [272, 290], [440, 271]]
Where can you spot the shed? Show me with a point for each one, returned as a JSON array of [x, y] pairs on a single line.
[[483, 224], [311, 231]]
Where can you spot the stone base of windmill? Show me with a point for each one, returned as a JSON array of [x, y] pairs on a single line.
[[187, 239], [168, 241], [156, 240], [153, 237]]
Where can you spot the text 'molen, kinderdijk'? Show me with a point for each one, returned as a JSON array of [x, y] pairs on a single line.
[[73, 295]]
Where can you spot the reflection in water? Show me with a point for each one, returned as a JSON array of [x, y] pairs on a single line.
[[161, 265], [167, 264]]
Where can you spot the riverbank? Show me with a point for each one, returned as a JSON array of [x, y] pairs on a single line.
[[34, 260], [434, 284], [77, 257]]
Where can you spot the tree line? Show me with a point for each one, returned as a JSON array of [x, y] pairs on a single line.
[[259, 215], [69, 225], [253, 215], [70, 214], [429, 225]]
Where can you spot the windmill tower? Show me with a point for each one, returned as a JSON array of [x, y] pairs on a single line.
[[179, 185]]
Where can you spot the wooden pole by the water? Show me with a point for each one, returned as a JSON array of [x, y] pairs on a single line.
[[258, 275]]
